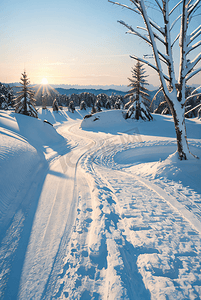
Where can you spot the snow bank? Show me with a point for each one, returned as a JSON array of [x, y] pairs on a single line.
[[105, 121], [24, 142]]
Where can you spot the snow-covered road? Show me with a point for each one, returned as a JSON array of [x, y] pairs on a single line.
[[103, 228]]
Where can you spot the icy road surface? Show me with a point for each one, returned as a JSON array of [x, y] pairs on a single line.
[[109, 218]]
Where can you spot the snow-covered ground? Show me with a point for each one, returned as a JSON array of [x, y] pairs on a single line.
[[98, 208]]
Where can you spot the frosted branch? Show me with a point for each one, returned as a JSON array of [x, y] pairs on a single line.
[[196, 30], [192, 64], [175, 7], [175, 21], [133, 31], [154, 98], [192, 109], [158, 5], [125, 6], [175, 40], [193, 7], [192, 96], [193, 74], [189, 49], [157, 27], [195, 90], [150, 65], [192, 38]]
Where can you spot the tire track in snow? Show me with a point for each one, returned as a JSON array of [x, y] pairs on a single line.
[[53, 285], [178, 258]]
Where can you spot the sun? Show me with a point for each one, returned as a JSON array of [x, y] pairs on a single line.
[[44, 81]]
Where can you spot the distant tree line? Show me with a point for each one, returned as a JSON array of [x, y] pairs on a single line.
[[8, 100]]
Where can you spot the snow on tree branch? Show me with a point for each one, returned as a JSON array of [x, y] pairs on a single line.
[[175, 7], [192, 64], [162, 47], [125, 6], [193, 7], [192, 74], [133, 31], [191, 48], [158, 5]]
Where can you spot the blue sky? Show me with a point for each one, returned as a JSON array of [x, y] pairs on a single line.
[[68, 42]]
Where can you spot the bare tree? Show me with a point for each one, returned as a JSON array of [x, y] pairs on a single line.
[[160, 34]]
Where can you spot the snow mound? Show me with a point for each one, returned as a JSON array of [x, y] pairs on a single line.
[[171, 169], [104, 120], [24, 143]]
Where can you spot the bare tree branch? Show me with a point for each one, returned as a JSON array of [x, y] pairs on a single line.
[[193, 74], [189, 49], [195, 90], [125, 6], [191, 9], [192, 109], [192, 96], [133, 31], [192, 38], [154, 98], [150, 65], [175, 21], [158, 5], [192, 64], [157, 27], [196, 30], [175, 7], [177, 37]]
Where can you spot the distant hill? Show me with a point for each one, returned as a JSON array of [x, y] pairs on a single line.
[[96, 92]]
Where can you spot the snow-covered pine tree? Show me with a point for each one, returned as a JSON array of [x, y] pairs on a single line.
[[44, 100], [6, 97], [108, 104], [55, 105], [83, 105], [98, 105], [159, 35], [25, 101], [71, 106], [139, 108]]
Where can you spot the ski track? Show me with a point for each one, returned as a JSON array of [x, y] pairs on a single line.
[[128, 241], [103, 233]]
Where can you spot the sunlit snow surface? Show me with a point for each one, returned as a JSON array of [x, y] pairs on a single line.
[[99, 208]]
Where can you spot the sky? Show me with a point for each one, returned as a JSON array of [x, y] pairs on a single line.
[[69, 42]]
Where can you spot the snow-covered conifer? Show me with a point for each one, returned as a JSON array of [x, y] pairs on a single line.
[[71, 107], [83, 105], [139, 108], [55, 105], [160, 36], [44, 101], [108, 104], [6, 97], [25, 101], [98, 104]]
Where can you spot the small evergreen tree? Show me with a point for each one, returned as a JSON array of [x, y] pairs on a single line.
[[44, 101], [6, 97], [98, 105], [83, 105], [55, 105], [108, 104], [71, 107], [139, 108], [25, 100]]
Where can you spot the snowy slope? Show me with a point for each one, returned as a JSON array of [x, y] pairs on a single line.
[[103, 210]]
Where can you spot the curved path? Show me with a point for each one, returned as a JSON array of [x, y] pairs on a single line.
[[102, 233]]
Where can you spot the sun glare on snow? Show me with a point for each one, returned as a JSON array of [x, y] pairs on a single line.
[[44, 81]]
